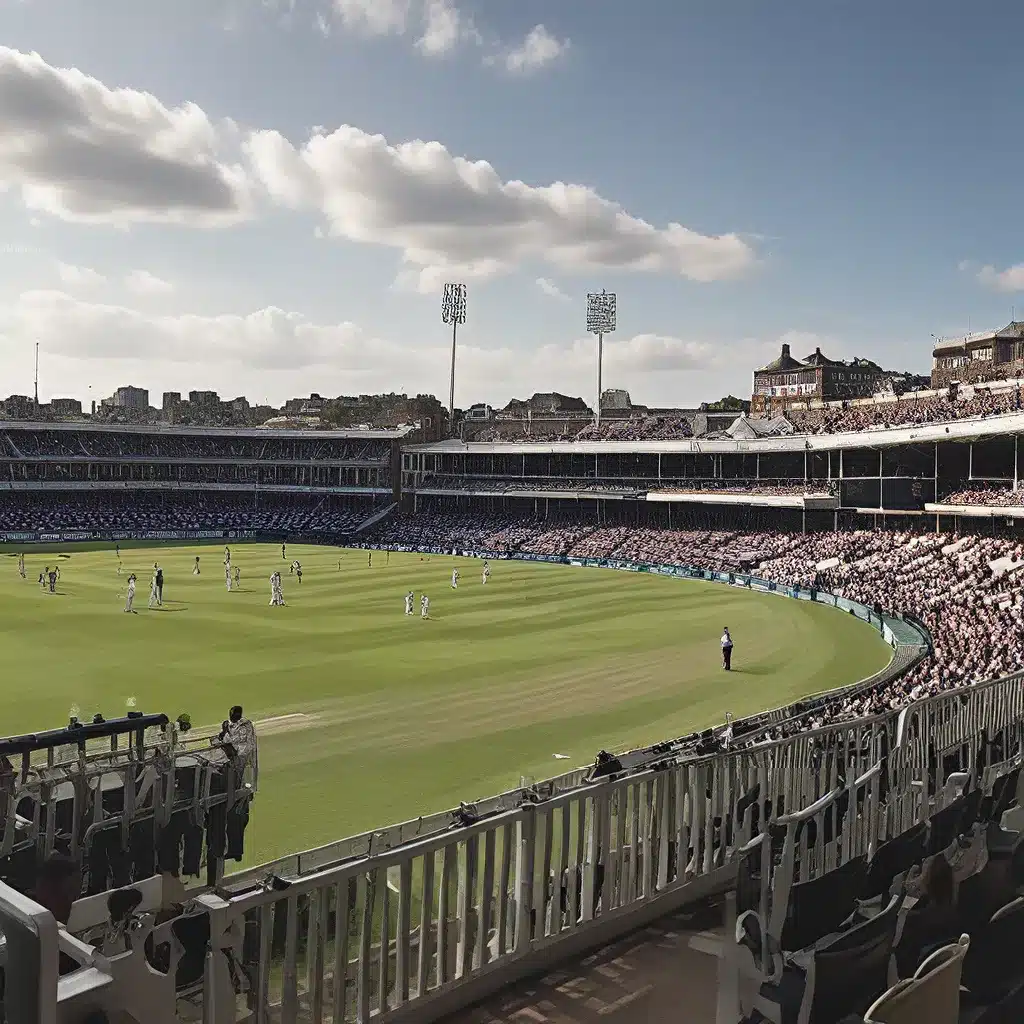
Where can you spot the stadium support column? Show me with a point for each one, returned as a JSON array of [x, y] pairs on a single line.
[[453, 311], [601, 316], [1016, 438]]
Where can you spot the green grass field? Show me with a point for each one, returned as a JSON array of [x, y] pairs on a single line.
[[403, 716]]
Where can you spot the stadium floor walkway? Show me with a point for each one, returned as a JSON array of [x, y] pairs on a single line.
[[653, 976]]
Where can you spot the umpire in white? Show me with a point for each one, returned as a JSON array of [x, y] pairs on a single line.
[[726, 650]]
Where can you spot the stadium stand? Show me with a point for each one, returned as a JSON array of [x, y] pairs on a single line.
[[869, 843], [906, 410], [140, 512]]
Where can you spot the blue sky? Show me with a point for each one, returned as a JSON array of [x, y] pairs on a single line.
[[844, 175]]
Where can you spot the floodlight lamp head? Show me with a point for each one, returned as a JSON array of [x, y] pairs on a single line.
[[453, 304], [601, 311]]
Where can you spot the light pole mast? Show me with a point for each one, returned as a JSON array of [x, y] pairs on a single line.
[[453, 311], [601, 312]]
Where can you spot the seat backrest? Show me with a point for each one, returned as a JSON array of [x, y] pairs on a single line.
[[1004, 794], [944, 826], [995, 951], [932, 995], [851, 971], [894, 858], [818, 907]]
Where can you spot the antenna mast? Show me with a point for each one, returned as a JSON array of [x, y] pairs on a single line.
[[37, 376]]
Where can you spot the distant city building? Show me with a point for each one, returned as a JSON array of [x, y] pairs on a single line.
[[171, 401], [614, 399], [131, 398], [479, 413], [988, 355], [204, 399], [312, 406], [66, 408], [18, 407], [786, 381]]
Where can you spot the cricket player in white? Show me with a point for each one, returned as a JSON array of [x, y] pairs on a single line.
[[21, 566], [152, 591], [195, 570], [227, 576], [455, 579], [486, 574], [130, 599], [408, 603], [424, 607], [273, 588]]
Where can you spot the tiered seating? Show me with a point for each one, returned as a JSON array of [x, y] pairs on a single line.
[[120, 444], [834, 926], [135, 511]]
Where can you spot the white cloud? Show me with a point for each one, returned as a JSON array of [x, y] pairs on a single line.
[[142, 282], [538, 49], [374, 17], [1009, 280], [276, 353], [551, 289], [267, 339], [79, 277], [655, 353], [455, 218], [322, 25], [81, 151], [444, 27]]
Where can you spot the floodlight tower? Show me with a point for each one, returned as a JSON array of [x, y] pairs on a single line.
[[453, 311], [600, 321]]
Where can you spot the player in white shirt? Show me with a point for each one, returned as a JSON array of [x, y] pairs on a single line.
[[273, 588], [455, 579], [408, 603], [152, 591], [21, 566], [227, 576], [195, 568], [424, 607], [486, 574], [130, 599]]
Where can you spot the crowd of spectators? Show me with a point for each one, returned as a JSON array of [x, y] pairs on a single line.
[[973, 610], [510, 485], [634, 428], [997, 497], [115, 444], [905, 411], [142, 511], [898, 411], [646, 428]]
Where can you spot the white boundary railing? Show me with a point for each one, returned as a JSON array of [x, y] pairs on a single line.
[[420, 930]]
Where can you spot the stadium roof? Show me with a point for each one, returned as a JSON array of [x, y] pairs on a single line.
[[384, 434]]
